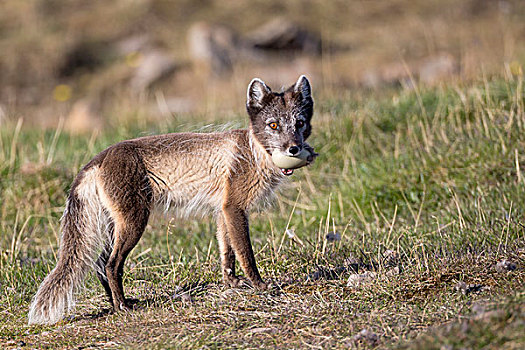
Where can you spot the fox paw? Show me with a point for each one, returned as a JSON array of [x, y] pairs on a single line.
[[126, 306], [232, 281], [260, 285]]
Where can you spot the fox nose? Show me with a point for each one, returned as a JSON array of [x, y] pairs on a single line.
[[294, 150]]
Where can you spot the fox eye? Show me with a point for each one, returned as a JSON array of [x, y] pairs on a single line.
[[300, 124], [273, 125]]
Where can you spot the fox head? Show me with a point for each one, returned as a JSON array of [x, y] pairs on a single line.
[[280, 120]]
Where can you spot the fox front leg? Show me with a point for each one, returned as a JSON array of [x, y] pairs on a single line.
[[227, 254], [237, 229]]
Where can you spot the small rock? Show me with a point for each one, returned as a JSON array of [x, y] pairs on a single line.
[[326, 273], [357, 280], [505, 266], [263, 330], [466, 289], [366, 336], [333, 236]]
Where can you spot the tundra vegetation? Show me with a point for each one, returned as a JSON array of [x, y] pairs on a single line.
[[407, 231]]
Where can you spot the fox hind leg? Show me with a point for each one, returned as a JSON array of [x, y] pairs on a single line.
[[128, 236], [100, 268], [128, 196]]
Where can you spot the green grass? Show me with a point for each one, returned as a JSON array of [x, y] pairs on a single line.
[[425, 187]]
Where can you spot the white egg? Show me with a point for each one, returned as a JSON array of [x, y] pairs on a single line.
[[284, 161]]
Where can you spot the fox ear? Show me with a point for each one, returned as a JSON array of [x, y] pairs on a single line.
[[257, 91], [303, 86]]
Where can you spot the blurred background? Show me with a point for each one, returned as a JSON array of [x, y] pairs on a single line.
[[91, 64]]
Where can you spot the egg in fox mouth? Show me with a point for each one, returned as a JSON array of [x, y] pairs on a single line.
[[287, 163]]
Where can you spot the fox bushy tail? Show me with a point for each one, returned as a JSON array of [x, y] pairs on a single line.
[[82, 236]]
